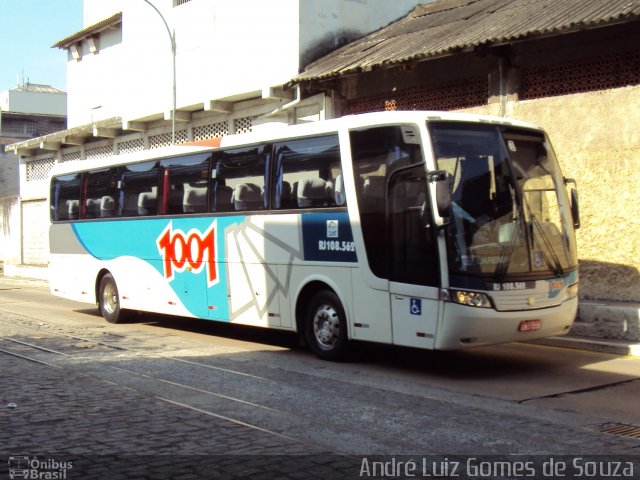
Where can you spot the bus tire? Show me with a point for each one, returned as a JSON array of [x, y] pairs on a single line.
[[109, 300], [326, 326]]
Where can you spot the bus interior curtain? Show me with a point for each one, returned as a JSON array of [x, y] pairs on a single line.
[[267, 167], [279, 179]]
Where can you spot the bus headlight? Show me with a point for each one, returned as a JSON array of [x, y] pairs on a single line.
[[572, 291], [472, 299]]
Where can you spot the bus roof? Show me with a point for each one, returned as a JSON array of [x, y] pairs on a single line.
[[279, 131]]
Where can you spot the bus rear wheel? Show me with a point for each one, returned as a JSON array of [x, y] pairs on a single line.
[[326, 326], [109, 299]]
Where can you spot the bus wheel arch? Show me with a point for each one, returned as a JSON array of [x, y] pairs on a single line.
[[108, 298], [321, 321]]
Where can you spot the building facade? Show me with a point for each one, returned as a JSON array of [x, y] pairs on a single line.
[[26, 111]]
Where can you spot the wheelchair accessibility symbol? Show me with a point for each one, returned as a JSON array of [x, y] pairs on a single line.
[[415, 306]]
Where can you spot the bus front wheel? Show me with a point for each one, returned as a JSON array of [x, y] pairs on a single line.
[[326, 326], [109, 300]]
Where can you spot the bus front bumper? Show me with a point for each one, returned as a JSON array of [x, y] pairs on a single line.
[[462, 326]]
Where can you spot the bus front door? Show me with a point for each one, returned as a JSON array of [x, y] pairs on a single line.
[[414, 273]]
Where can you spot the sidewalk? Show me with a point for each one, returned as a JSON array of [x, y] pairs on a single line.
[[606, 327]]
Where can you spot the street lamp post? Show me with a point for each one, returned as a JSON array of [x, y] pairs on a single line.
[[172, 37]]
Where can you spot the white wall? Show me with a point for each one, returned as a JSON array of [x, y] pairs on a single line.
[[34, 102], [226, 49], [94, 83]]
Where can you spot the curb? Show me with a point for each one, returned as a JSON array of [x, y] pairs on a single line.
[[614, 347]]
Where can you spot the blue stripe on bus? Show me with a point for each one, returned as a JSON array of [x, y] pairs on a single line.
[[197, 273], [109, 240]]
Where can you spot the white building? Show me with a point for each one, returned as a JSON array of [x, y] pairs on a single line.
[[232, 59]]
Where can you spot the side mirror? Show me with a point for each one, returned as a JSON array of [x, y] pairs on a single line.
[[575, 206], [443, 192]]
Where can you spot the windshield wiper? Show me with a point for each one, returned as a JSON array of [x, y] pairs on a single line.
[[507, 250], [554, 264]]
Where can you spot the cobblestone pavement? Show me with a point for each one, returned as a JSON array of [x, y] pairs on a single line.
[[69, 424], [68, 412]]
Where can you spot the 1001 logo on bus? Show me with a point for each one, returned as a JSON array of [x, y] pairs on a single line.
[[191, 251]]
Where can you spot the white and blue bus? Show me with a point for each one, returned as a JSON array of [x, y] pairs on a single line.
[[424, 229]]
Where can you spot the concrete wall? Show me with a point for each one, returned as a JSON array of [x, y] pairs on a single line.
[[597, 140], [35, 232], [226, 49], [10, 230], [34, 102], [8, 174]]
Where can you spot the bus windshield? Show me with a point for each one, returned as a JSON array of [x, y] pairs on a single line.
[[510, 212]]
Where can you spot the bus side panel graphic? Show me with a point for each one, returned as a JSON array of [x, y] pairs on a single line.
[[203, 258]]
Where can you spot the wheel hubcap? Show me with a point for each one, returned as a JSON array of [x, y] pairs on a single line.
[[109, 298], [326, 326]]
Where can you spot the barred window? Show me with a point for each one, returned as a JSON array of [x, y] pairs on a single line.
[[586, 75], [39, 169], [164, 139], [465, 93], [243, 125]]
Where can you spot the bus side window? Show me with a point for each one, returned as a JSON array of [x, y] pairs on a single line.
[[238, 180], [307, 172], [184, 184], [65, 197], [138, 189], [100, 189]]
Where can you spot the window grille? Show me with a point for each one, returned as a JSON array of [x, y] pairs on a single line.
[[39, 169], [100, 152], [465, 93], [164, 139], [586, 75], [130, 146], [243, 125], [72, 156], [177, 3], [206, 132], [20, 126]]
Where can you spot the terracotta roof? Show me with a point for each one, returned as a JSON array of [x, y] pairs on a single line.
[[445, 27], [105, 24]]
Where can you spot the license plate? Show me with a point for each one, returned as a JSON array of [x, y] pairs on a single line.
[[529, 325]]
